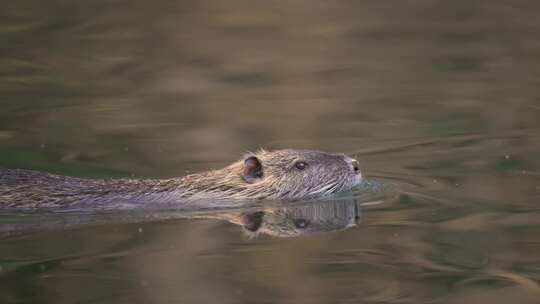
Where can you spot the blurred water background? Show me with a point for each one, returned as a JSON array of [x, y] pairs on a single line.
[[438, 99]]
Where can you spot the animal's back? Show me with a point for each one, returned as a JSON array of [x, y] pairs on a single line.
[[29, 189]]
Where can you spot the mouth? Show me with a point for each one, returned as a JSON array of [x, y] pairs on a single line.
[[357, 179]]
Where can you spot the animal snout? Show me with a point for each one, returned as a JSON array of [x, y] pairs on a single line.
[[355, 166]]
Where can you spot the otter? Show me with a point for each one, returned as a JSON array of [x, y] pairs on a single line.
[[276, 175]]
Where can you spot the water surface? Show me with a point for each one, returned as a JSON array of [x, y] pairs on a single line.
[[438, 99]]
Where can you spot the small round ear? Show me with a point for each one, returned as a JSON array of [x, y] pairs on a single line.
[[253, 170], [252, 221]]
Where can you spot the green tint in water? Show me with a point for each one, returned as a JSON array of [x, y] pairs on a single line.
[[438, 100]]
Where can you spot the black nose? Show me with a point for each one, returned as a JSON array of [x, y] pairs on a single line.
[[356, 166]]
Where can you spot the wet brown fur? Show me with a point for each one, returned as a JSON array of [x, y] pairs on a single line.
[[326, 174]]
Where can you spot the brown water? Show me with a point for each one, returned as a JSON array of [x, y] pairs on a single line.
[[438, 100]]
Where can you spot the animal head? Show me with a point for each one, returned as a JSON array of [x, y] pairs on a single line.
[[296, 174], [281, 174]]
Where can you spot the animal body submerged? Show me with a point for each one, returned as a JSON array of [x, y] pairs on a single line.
[[281, 174]]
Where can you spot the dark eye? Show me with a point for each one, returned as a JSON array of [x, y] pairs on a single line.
[[300, 165], [301, 223]]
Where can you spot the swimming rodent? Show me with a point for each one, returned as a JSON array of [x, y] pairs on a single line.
[[281, 174]]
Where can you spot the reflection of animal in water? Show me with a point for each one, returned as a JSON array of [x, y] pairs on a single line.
[[282, 174], [295, 220]]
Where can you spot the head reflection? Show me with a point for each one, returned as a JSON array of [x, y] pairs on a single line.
[[297, 220]]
